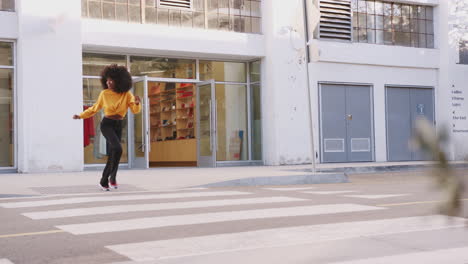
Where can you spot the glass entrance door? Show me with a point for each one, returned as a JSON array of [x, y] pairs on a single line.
[[206, 124], [140, 146]]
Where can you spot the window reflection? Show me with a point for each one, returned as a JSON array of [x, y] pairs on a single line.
[[229, 15], [393, 23]]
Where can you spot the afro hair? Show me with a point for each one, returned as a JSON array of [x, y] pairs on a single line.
[[120, 76]]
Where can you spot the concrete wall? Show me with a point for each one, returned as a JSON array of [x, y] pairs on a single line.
[[10, 19], [454, 78], [148, 39], [380, 65], [286, 134], [49, 87]]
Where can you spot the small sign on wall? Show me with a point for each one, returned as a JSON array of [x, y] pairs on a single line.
[[420, 109]]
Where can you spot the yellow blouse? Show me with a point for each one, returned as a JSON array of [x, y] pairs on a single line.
[[113, 104]]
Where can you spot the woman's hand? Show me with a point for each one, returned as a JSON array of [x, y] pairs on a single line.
[[76, 117], [137, 100]]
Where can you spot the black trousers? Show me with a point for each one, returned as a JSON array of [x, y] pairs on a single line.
[[112, 131]]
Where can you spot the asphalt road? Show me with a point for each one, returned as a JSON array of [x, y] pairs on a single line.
[[388, 218]]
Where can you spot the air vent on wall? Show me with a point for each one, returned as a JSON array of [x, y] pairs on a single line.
[[175, 3], [335, 19]]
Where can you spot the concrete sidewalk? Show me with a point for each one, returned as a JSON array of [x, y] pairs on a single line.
[[175, 178]]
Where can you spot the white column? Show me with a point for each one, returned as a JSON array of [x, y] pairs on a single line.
[[453, 79], [286, 134], [49, 86]]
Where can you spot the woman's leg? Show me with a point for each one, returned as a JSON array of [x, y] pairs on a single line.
[[109, 131], [117, 153]]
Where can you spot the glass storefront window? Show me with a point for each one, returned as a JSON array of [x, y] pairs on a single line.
[[6, 54], [255, 71], [256, 113], [7, 147], [7, 5], [6, 118], [223, 71], [232, 79], [256, 122], [95, 148], [93, 64], [231, 112], [163, 67], [229, 15]]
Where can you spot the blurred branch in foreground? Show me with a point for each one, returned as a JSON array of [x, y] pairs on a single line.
[[430, 142]]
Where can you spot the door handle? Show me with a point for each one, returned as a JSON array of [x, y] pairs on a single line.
[[209, 118], [143, 132], [349, 117]]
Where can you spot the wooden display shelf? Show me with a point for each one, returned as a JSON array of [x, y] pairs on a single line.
[[182, 150], [191, 107], [177, 150]]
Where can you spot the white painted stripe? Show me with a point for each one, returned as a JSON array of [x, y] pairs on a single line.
[[452, 256], [5, 261], [381, 196], [111, 198], [178, 220], [99, 192], [331, 192], [154, 206], [291, 189], [280, 237]]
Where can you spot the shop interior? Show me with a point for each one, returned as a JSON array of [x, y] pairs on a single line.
[[172, 124]]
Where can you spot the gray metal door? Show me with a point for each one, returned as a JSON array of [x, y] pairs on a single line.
[[404, 107], [398, 124], [422, 106], [359, 123], [346, 123]]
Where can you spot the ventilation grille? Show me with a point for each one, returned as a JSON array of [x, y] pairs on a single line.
[[335, 19], [360, 145], [176, 3], [334, 145]]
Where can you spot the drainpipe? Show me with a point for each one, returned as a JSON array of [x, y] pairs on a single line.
[[306, 32]]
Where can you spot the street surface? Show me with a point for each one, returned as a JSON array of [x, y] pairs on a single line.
[[387, 218]]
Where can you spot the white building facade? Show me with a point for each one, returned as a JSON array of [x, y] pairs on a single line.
[[230, 82]]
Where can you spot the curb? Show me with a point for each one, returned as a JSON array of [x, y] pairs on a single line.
[[391, 168], [283, 180]]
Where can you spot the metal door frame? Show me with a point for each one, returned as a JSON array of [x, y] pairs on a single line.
[[213, 119], [371, 97], [131, 122]]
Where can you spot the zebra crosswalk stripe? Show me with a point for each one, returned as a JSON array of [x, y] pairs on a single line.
[[111, 198], [155, 206], [178, 220], [279, 237], [285, 189], [377, 196], [452, 256], [330, 192]]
